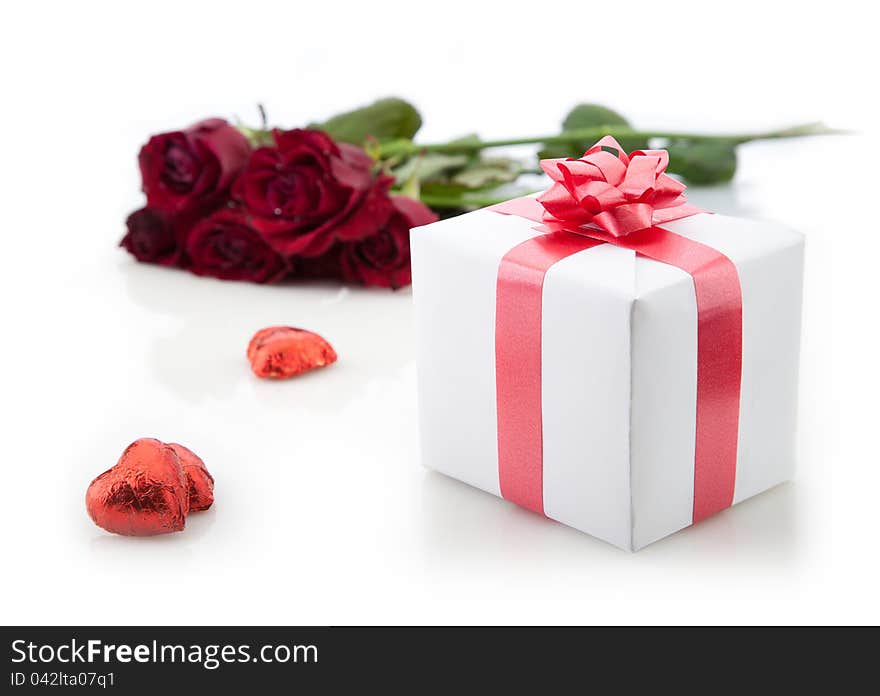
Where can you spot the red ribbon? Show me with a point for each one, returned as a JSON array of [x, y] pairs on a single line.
[[617, 199]]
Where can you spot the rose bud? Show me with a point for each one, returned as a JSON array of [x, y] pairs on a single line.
[[383, 259], [151, 238], [199, 483], [282, 351], [144, 494], [192, 168], [224, 245], [301, 193]]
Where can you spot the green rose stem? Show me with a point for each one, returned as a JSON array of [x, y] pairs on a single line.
[[402, 148], [471, 200]]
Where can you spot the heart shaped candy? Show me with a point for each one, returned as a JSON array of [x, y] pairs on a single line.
[[279, 352], [199, 483], [146, 493]]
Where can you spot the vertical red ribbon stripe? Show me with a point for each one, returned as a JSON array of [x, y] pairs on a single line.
[[518, 332], [719, 358]]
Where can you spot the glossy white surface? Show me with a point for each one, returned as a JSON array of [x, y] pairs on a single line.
[[323, 514]]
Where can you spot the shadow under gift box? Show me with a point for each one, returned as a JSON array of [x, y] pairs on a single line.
[[618, 369]]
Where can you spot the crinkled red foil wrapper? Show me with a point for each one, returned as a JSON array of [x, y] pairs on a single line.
[[150, 490], [279, 352]]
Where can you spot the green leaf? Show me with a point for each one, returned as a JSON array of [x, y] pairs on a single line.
[[442, 189], [467, 139], [257, 137], [386, 119], [702, 163], [486, 172], [449, 200], [411, 187], [590, 116], [428, 166]]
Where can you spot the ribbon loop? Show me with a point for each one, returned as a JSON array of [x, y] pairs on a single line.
[[601, 189], [609, 142]]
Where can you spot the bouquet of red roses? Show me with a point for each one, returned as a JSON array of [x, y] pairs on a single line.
[[299, 205], [337, 199]]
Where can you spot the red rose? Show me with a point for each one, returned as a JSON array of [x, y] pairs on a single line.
[[383, 258], [302, 193], [151, 238], [224, 245], [193, 168]]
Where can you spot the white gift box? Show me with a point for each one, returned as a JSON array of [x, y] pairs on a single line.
[[619, 369]]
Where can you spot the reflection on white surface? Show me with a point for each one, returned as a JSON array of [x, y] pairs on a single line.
[[203, 357], [762, 531], [197, 527]]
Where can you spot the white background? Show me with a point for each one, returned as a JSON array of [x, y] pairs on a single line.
[[323, 514]]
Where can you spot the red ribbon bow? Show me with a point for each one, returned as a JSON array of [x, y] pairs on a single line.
[[618, 193]]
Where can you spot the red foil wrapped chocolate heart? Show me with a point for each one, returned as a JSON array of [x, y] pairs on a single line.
[[279, 352], [144, 494], [199, 483], [151, 490]]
